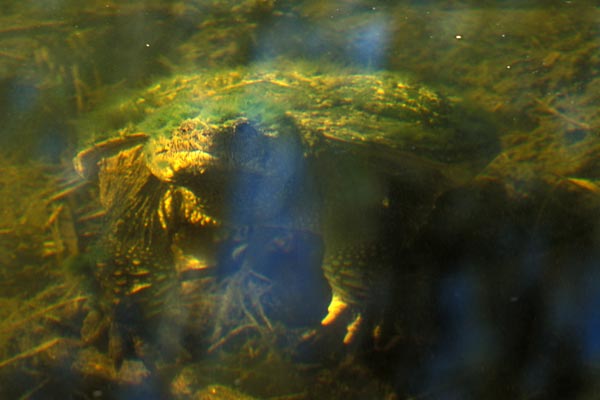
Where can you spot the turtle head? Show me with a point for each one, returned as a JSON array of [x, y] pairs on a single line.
[[198, 148], [253, 168]]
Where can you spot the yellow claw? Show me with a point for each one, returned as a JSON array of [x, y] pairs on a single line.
[[352, 329], [336, 307]]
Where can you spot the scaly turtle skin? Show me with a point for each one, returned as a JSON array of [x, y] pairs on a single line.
[[264, 170]]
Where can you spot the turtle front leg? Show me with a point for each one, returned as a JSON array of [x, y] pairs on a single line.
[[359, 280]]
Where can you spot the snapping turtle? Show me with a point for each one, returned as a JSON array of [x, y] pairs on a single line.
[[313, 181]]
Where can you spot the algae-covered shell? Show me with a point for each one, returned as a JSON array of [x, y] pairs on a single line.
[[323, 102]]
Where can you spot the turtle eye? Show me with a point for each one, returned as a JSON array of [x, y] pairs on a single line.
[[245, 131]]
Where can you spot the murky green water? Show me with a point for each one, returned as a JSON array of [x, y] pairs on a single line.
[[299, 200]]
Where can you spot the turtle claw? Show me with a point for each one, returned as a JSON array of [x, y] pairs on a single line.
[[352, 329], [336, 311]]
